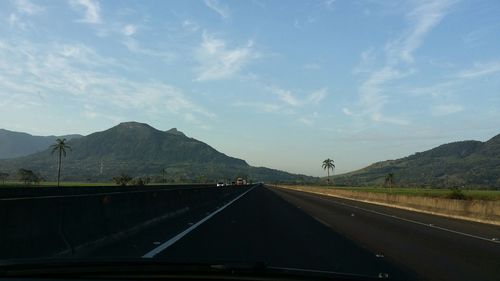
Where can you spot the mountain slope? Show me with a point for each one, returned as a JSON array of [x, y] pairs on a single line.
[[17, 144], [469, 163], [140, 150]]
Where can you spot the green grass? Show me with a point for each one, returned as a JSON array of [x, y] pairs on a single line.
[[472, 194]]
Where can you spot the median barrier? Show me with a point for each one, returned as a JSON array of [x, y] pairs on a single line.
[[66, 225]]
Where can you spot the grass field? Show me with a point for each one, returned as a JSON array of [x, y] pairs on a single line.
[[470, 194]]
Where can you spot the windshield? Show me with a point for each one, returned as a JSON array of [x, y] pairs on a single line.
[[308, 137]]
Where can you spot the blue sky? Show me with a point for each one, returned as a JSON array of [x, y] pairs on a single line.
[[282, 84]]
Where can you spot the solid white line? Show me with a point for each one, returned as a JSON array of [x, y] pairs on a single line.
[[179, 236], [406, 220]]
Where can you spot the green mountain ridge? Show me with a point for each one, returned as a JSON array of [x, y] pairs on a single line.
[[138, 149], [463, 163], [17, 144]]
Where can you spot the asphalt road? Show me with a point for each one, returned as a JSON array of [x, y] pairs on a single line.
[[294, 229], [435, 247]]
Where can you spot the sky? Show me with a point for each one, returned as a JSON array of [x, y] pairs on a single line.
[[282, 84]]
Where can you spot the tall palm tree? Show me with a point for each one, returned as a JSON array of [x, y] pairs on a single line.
[[327, 165], [60, 146], [389, 179]]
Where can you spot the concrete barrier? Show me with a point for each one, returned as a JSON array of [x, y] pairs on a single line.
[[45, 226], [473, 210]]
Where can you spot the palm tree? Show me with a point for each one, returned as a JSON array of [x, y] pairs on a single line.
[[389, 179], [327, 165], [60, 146]]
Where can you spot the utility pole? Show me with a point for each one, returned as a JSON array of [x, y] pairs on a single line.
[[102, 167]]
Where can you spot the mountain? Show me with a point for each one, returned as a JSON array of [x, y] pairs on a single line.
[[138, 149], [175, 132], [17, 144], [464, 163]]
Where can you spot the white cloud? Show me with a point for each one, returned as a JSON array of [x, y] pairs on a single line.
[[423, 18], [218, 62], [290, 100], [92, 13], [78, 75], [347, 111], [129, 29], [480, 69], [223, 11], [13, 20], [399, 54], [285, 96], [309, 120], [190, 25], [306, 121], [366, 62], [447, 109], [134, 47], [27, 7], [329, 3], [266, 107], [317, 96]]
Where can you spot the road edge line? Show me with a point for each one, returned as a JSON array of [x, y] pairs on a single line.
[[477, 220], [180, 235]]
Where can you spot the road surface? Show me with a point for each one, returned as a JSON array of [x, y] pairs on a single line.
[[295, 229]]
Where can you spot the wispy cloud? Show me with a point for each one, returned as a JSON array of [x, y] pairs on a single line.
[[134, 47], [129, 30], [317, 96], [92, 10], [217, 61], [286, 96], [261, 106], [292, 100], [223, 11], [481, 69], [399, 55], [446, 109], [329, 4], [79, 75], [423, 18], [309, 120], [190, 25], [27, 7]]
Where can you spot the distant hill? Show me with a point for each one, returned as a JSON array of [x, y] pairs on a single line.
[[464, 163], [17, 144], [138, 149]]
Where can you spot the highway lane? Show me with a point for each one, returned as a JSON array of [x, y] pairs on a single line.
[[262, 227], [295, 229], [438, 248]]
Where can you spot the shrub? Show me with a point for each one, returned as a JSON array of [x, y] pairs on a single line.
[[456, 193], [122, 180]]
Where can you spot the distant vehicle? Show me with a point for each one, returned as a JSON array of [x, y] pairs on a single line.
[[240, 181], [220, 184]]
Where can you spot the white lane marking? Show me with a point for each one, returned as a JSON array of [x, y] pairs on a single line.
[[179, 236], [96, 194], [407, 220]]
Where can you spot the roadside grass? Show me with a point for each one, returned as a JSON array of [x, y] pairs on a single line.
[[470, 194]]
